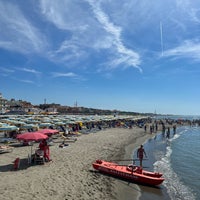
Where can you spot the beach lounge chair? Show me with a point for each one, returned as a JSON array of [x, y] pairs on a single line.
[[62, 136], [7, 140], [6, 149], [39, 157], [71, 138]]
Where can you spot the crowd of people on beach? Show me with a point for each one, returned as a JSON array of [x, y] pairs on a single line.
[[166, 126], [149, 124]]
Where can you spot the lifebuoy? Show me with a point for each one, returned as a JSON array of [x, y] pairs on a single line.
[[132, 168]]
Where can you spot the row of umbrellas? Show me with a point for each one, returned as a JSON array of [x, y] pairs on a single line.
[[27, 122]]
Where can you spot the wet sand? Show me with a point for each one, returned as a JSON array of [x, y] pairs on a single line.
[[132, 191], [70, 175]]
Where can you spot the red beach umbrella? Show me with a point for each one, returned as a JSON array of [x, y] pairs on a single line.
[[31, 136], [48, 131]]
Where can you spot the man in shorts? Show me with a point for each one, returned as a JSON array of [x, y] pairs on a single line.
[[140, 154]]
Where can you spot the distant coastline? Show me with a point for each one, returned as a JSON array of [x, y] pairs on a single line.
[[21, 107]]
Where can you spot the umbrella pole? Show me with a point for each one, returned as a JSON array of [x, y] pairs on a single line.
[[30, 157], [31, 150]]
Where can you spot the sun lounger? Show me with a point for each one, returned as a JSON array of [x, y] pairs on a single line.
[[6, 149], [7, 140]]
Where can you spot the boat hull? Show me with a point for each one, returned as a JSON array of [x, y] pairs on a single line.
[[133, 174]]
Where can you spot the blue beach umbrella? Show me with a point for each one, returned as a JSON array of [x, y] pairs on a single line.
[[8, 128]]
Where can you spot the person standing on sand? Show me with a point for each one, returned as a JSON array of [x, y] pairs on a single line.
[[140, 153]]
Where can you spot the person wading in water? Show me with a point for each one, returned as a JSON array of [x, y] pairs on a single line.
[[140, 154]]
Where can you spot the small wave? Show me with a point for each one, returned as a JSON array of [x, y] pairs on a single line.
[[175, 188], [175, 137]]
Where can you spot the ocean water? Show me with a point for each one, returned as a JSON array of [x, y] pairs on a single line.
[[177, 157], [180, 164]]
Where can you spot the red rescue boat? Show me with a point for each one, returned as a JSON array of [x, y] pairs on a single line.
[[129, 172]]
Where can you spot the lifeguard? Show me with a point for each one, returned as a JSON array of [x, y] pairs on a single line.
[[140, 153], [44, 147]]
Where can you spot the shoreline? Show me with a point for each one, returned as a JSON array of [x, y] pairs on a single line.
[[126, 190]]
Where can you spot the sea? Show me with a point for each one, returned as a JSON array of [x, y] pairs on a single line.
[[177, 157]]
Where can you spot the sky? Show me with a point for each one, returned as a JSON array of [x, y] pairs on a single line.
[[140, 55]]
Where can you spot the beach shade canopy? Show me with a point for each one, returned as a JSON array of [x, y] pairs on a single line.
[[48, 131], [29, 126], [8, 128], [32, 136], [45, 124]]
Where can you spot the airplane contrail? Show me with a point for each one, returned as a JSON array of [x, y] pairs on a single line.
[[161, 37]]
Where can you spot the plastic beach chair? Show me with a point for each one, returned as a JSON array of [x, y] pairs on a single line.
[[39, 157]]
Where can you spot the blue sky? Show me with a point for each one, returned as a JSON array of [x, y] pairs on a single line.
[[137, 55]]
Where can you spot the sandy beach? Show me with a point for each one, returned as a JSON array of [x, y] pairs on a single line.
[[70, 175]]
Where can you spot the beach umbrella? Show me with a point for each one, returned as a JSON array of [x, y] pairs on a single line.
[[31, 136], [48, 131], [45, 124], [8, 128], [60, 123], [29, 126]]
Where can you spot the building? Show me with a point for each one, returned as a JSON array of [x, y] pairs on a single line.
[[3, 104]]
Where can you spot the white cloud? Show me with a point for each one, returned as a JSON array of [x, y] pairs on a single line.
[[32, 71], [195, 15], [7, 45], [68, 15], [35, 73], [7, 70], [90, 29], [68, 50], [26, 81], [69, 74], [18, 34], [127, 56], [189, 49], [4, 71], [190, 9]]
